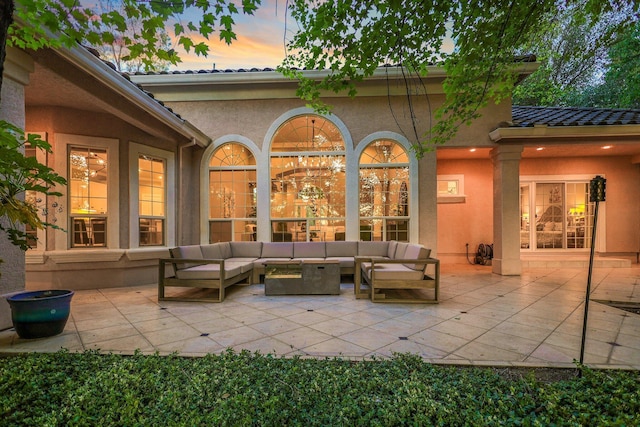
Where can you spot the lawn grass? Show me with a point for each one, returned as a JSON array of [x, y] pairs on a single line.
[[236, 389]]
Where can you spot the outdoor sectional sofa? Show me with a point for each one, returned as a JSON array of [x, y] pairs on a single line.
[[384, 268]]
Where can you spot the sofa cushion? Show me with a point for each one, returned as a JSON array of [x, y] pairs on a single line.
[[211, 251], [309, 250], [191, 251], [392, 272], [225, 250], [391, 250], [246, 249], [400, 250], [208, 271], [277, 250], [415, 252], [345, 261], [241, 260], [341, 249], [245, 264], [379, 249]]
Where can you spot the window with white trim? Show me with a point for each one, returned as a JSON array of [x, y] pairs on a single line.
[[88, 196], [451, 189], [151, 200], [384, 192], [308, 185], [232, 194]]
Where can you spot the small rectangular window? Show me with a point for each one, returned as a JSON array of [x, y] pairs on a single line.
[[451, 189], [447, 187]]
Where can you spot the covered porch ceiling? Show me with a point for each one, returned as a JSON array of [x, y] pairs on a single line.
[[543, 150]]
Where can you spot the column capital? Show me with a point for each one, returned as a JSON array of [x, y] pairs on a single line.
[[18, 66], [506, 152]]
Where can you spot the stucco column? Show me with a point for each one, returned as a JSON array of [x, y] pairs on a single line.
[[428, 203], [18, 66], [506, 209]]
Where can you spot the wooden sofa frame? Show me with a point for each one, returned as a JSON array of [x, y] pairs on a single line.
[[377, 286], [220, 284], [419, 279]]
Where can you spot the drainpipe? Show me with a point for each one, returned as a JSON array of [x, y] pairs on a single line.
[[180, 208]]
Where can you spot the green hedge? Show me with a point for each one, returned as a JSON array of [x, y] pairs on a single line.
[[77, 389]]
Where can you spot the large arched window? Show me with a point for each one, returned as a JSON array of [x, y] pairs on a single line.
[[384, 192], [307, 180], [232, 194]]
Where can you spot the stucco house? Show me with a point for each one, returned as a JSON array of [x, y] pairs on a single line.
[[157, 160]]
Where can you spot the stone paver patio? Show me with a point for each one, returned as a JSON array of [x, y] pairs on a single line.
[[485, 319]]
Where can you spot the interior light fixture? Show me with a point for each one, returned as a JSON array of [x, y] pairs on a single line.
[[539, 148], [606, 147], [473, 150]]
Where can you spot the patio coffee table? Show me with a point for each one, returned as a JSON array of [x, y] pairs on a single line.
[[308, 277]]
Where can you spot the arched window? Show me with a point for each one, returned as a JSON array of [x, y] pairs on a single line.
[[232, 194], [307, 180], [384, 192]]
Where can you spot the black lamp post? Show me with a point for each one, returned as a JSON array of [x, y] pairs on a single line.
[[597, 190]]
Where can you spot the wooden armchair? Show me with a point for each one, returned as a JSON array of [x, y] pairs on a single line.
[[398, 280], [199, 273]]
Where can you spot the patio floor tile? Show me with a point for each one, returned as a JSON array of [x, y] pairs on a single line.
[[483, 318]]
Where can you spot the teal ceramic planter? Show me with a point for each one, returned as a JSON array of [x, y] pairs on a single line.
[[39, 314]]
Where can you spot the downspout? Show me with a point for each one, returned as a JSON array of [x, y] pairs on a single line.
[[180, 209]]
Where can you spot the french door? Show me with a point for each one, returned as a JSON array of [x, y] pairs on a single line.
[[555, 215]]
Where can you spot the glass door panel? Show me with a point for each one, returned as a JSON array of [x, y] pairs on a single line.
[[550, 223], [579, 216], [525, 229]]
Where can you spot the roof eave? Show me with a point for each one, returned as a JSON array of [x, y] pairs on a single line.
[[225, 78], [87, 62], [515, 134]]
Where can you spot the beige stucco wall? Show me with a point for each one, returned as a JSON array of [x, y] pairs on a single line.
[[81, 122], [190, 203], [362, 116]]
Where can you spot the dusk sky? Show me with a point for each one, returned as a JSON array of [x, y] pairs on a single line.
[[260, 42]]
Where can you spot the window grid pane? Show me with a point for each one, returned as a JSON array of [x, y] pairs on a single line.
[[307, 133], [89, 232], [307, 187], [232, 194], [151, 232], [88, 181], [88, 196], [384, 192], [151, 188], [308, 198]]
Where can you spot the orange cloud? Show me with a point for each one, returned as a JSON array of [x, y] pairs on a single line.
[[259, 42]]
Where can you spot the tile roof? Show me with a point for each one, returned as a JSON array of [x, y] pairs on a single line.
[[213, 71], [559, 116], [520, 58]]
